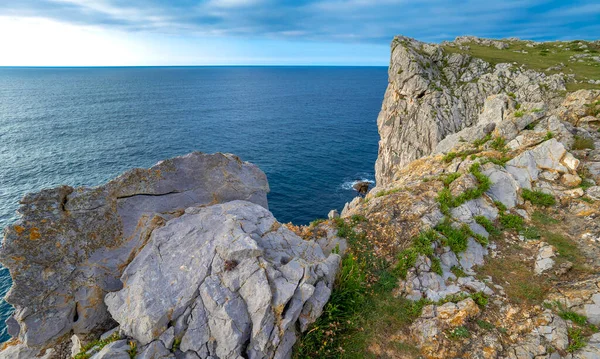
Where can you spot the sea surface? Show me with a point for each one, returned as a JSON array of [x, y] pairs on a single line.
[[312, 130]]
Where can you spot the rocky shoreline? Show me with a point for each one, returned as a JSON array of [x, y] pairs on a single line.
[[484, 225]]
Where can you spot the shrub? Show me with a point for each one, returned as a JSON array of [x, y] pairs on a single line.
[[583, 143], [499, 144], [459, 333], [449, 178], [511, 221], [576, 340], [538, 198], [455, 238], [480, 298]]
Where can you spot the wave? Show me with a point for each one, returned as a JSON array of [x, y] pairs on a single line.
[[349, 185]]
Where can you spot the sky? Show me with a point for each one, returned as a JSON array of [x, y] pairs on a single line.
[[266, 32]]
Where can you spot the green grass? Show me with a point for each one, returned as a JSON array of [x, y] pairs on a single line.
[[488, 225], [538, 198], [420, 245], [459, 333], [531, 233], [540, 58], [362, 309], [447, 201], [132, 351], [499, 144], [450, 156], [317, 221], [449, 178], [549, 136], [582, 143], [455, 238], [96, 343], [544, 219], [512, 221], [519, 114], [485, 325], [576, 339], [593, 109], [482, 141]]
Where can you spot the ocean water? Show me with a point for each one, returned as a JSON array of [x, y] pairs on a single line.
[[312, 130]]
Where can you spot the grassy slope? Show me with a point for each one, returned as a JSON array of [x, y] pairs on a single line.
[[541, 57]]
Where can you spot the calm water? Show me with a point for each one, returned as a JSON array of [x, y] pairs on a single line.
[[312, 130]]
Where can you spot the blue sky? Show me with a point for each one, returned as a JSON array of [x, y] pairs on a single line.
[[266, 32]]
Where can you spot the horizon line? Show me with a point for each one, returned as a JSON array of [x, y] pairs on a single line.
[[133, 66]]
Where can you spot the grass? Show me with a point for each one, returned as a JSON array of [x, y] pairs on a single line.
[[540, 58], [421, 245], [458, 272], [593, 109], [317, 221], [549, 136], [519, 114], [582, 143], [449, 178], [512, 221], [499, 143], [447, 201], [450, 156], [538, 198], [99, 343], [132, 351], [455, 238], [576, 339], [543, 218], [459, 333], [482, 141], [485, 325], [362, 310]]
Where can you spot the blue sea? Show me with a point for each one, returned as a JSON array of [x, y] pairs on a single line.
[[312, 130]]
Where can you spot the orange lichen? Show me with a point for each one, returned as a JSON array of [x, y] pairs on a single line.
[[18, 229], [34, 234]]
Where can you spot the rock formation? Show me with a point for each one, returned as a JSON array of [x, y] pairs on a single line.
[[433, 93], [185, 250]]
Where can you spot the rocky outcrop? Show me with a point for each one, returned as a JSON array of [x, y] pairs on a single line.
[[185, 250], [228, 280], [433, 93]]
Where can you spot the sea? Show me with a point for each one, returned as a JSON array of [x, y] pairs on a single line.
[[312, 130]]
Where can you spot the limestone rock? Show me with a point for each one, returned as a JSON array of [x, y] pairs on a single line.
[[247, 279], [433, 94], [114, 350], [71, 244]]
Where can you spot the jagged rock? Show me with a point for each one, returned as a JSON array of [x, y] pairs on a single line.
[[526, 167], [544, 261], [504, 188], [71, 245], [432, 94], [593, 193], [362, 187], [333, 214], [462, 184], [574, 106], [247, 280], [155, 350]]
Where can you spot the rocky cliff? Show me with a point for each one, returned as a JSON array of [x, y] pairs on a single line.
[[184, 258]]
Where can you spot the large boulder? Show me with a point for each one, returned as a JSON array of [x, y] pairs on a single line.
[[71, 245], [239, 281]]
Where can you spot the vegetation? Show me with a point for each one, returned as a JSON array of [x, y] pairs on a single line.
[[512, 221], [593, 109], [362, 309], [482, 141], [99, 344], [447, 201], [549, 136], [519, 114], [459, 333], [458, 272], [576, 339], [546, 57], [499, 144], [538, 198], [488, 225], [387, 192], [132, 351], [582, 143]]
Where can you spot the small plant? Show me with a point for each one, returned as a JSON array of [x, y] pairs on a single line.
[[436, 265], [536, 110], [458, 272], [511, 221], [500, 206], [582, 143], [176, 344], [543, 218], [499, 144], [459, 333], [448, 157], [480, 298], [576, 339], [455, 238], [482, 141], [519, 114], [387, 192], [517, 106], [538, 198], [593, 109], [316, 222], [485, 325], [531, 233], [449, 178], [100, 343], [512, 95], [132, 351], [549, 136]]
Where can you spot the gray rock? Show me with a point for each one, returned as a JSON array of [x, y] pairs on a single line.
[[547, 156], [247, 280], [333, 214], [472, 256], [71, 245], [155, 350], [433, 94], [504, 188]]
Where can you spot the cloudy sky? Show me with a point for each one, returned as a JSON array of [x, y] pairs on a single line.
[[266, 32]]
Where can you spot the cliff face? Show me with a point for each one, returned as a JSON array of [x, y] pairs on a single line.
[[433, 93]]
